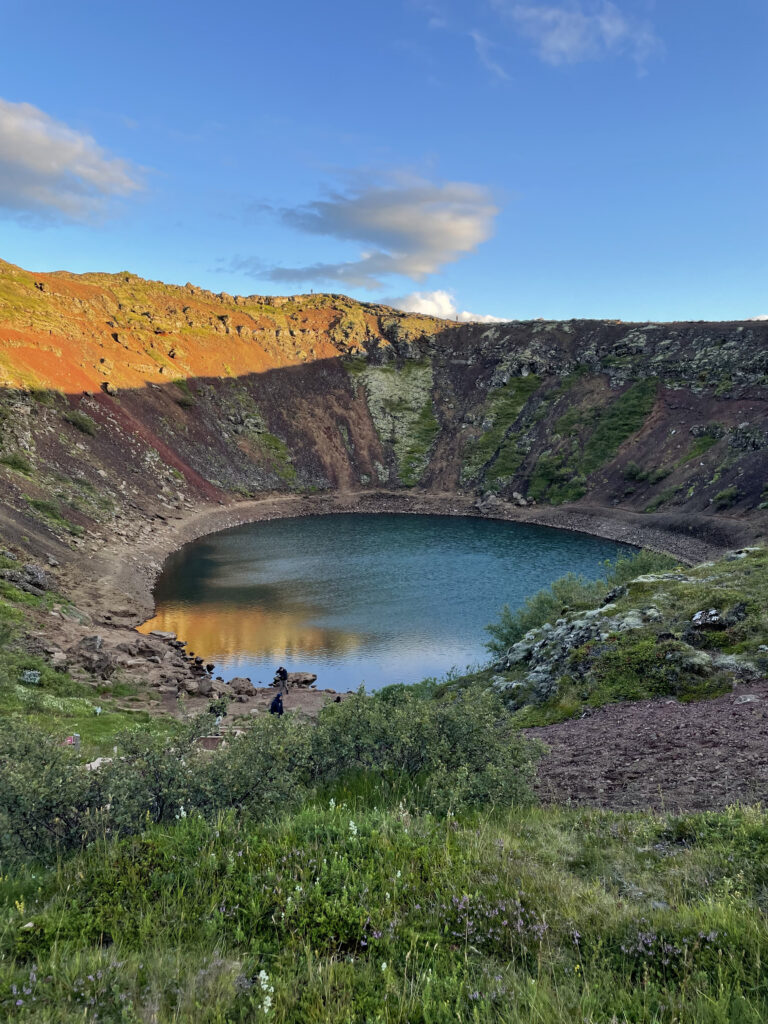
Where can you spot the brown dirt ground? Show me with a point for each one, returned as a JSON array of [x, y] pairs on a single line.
[[660, 754]]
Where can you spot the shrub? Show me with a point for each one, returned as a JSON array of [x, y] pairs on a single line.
[[18, 462], [726, 498], [569, 593], [450, 753], [81, 421]]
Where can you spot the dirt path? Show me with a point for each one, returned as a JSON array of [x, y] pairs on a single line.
[[661, 754]]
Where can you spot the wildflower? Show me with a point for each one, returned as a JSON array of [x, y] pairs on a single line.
[[182, 813], [331, 803], [399, 873], [384, 965], [353, 828]]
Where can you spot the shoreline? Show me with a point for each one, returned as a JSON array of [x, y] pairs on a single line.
[[119, 578]]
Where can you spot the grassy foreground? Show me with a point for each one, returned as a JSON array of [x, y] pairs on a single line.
[[386, 864], [346, 911]]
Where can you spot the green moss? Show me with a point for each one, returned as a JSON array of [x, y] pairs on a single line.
[[400, 402], [555, 479], [17, 461], [727, 497], [423, 432], [619, 421], [52, 513], [503, 406], [278, 455], [82, 421]]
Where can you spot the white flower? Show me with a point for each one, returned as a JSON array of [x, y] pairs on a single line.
[[399, 873], [353, 828], [331, 803], [384, 965], [182, 813]]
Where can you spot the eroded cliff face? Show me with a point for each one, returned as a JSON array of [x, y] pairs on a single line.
[[123, 399]]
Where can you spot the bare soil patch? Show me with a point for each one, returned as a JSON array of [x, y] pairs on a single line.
[[660, 754]]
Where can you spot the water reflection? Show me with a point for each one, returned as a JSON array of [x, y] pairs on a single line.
[[231, 630], [379, 599]]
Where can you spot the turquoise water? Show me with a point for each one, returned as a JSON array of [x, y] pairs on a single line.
[[372, 599]]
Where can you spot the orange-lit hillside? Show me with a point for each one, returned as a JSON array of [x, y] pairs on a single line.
[[75, 332]]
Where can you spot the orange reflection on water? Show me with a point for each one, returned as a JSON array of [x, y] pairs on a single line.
[[220, 631]]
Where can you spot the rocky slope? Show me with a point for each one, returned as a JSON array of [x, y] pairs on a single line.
[[121, 398]]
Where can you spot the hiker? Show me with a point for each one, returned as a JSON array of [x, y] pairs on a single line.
[[281, 675], [276, 707]]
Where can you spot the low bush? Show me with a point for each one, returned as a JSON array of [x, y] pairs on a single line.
[[727, 497], [17, 461], [81, 421], [456, 753]]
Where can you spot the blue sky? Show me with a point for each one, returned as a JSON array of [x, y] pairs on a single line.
[[569, 158]]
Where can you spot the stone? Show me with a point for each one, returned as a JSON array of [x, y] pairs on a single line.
[[300, 679], [241, 686], [162, 635], [708, 619], [747, 698]]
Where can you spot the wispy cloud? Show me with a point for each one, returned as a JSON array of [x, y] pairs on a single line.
[[48, 169], [573, 32], [442, 304], [409, 227], [763, 316], [483, 48]]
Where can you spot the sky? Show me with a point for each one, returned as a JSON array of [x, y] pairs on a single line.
[[496, 158]]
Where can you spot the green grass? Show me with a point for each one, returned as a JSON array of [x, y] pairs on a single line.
[[551, 916], [17, 461], [503, 406], [619, 421], [51, 512], [421, 436], [81, 421], [727, 497], [561, 473], [278, 454]]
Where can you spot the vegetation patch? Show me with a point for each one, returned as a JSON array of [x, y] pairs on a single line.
[[727, 497], [570, 593], [81, 421], [17, 461], [400, 402], [52, 513], [502, 408], [617, 422]]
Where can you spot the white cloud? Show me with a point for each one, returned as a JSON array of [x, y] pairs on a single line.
[[483, 47], [442, 304], [409, 227], [764, 316], [573, 32], [48, 168]]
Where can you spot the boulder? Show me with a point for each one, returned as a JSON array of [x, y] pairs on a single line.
[[241, 686], [708, 618], [300, 679]]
